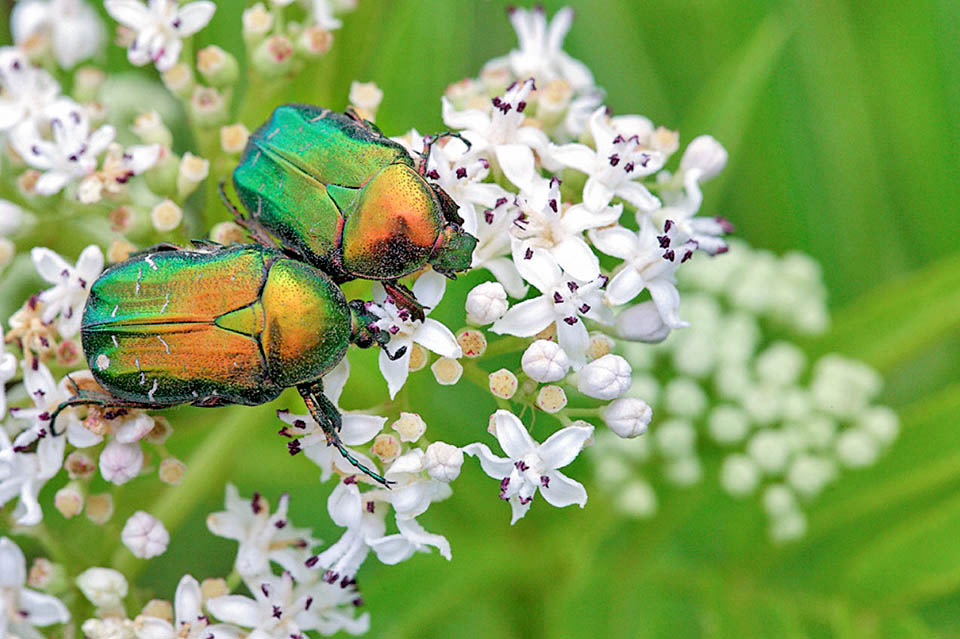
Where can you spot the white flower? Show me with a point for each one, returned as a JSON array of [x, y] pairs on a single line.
[[21, 609], [189, 622], [545, 361], [500, 131], [405, 330], [355, 429], [705, 156], [75, 30], [11, 218], [612, 167], [563, 301], [607, 377], [8, 368], [159, 26], [263, 537], [104, 587], [628, 417], [540, 54], [73, 151], [71, 285], [494, 242], [642, 323], [486, 303], [650, 263], [27, 91], [443, 461], [144, 535], [119, 463], [23, 474], [530, 466], [364, 524], [323, 15]]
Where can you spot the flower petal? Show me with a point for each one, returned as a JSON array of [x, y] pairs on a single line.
[[359, 429], [187, 600], [507, 274], [512, 435], [576, 156], [334, 381], [395, 371], [496, 467], [563, 446], [429, 288], [237, 609], [518, 509], [518, 165], [615, 240], [574, 340], [624, 286], [130, 13], [436, 337], [667, 299], [537, 266], [576, 259], [562, 491], [596, 194], [41, 609], [637, 195], [526, 318], [194, 16]]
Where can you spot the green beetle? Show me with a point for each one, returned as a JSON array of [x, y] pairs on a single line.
[[219, 325], [333, 190]]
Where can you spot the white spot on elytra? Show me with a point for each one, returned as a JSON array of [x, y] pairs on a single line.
[[114, 313], [165, 345], [143, 378], [139, 276], [149, 260], [255, 158], [114, 338], [166, 301], [152, 390], [273, 133], [102, 361]]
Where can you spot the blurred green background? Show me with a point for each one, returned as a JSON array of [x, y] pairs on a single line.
[[842, 120]]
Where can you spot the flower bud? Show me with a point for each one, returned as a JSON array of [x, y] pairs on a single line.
[[160, 432], [171, 471], [105, 588], [410, 427], [11, 217], [551, 399], [779, 500], [637, 499], [7, 250], [486, 303], [365, 97], [100, 508], [207, 107], [386, 447], [727, 424], [443, 461], [119, 463], [87, 82], [418, 358], [856, 449], [472, 342], [233, 138], [447, 371], [605, 378], [162, 177], [179, 80], [217, 67], [257, 22], [213, 587], [706, 155], [79, 465], [193, 170], [69, 500], [642, 323], [274, 56], [160, 609], [627, 417], [166, 216], [69, 353], [503, 383], [149, 127], [684, 397], [769, 450], [545, 361], [228, 233], [739, 476], [598, 346], [144, 535], [553, 101], [119, 250], [47, 576], [314, 41]]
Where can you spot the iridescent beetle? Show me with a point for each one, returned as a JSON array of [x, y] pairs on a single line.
[[334, 191], [219, 325]]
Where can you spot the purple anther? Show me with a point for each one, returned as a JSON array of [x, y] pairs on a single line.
[[669, 255], [664, 240], [570, 320], [614, 159], [280, 523], [553, 205], [557, 298], [585, 308], [544, 481], [528, 254]]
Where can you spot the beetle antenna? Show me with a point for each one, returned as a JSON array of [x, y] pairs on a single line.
[[430, 140]]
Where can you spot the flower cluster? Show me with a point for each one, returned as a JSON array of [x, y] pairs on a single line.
[[725, 390]]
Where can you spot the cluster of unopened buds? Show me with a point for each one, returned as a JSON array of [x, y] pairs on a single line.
[[582, 233]]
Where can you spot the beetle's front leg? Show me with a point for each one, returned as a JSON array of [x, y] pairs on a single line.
[[404, 298], [327, 415]]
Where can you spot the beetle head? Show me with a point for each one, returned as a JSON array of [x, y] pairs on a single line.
[[453, 251]]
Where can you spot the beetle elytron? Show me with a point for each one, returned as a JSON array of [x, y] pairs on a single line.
[[334, 191], [219, 325]]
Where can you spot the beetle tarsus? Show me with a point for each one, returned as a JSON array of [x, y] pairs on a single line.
[[430, 140], [397, 354], [404, 298]]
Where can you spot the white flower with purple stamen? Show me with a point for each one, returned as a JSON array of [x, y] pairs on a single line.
[[27, 91], [74, 28], [160, 25], [8, 368], [71, 154], [23, 474], [189, 622], [21, 608], [650, 263], [405, 330], [530, 466], [494, 242], [564, 300], [274, 612], [263, 537], [364, 523], [462, 178], [355, 429], [612, 167], [71, 285]]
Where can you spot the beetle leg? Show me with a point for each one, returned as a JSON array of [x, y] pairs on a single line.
[[253, 229], [327, 415], [403, 298], [430, 140], [94, 398]]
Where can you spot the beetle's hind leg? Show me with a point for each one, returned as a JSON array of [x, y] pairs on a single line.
[[253, 229], [327, 415]]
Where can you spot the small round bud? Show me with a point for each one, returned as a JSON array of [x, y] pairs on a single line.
[[87, 82], [171, 471], [257, 22], [486, 303], [79, 465], [608, 377], [627, 417], [637, 499], [121, 219], [218, 67], [213, 587], [664, 140], [739, 476], [727, 424], [386, 447], [780, 364], [856, 448], [410, 427], [274, 56], [159, 609], [99, 508], [179, 79], [27, 181], [779, 500], [809, 474], [228, 233], [233, 138], [160, 432], [314, 41], [472, 342], [684, 471], [44, 574], [145, 536], [642, 323], [162, 178], [11, 217], [365, 97], [683, 397], [545, 361], [90, 189], [788, 527], [553, 101], [418, 358], [119, 463], [119, 250], [69, 353], [69, 500], [503, 383], [551, 399], [676, 438], [166, 216], [598, 346], [7, 250], [881, 422], [447, 371], [706, 155], [193, 171], [207, 107], [443, 461], [149, 127], [769, 450], [105, 588]]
